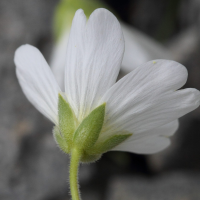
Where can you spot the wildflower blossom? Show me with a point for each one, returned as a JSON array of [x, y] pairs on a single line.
[[95, 114]]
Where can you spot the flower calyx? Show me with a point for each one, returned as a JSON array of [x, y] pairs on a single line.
[[84, 136]]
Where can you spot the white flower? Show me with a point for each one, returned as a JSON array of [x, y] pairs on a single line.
[[145, 103]]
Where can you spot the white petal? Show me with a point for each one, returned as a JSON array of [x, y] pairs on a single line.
[[145, 145], [139, 49], [94, 55], [166, 130], [37, 80], [146, 98], [58, 58], [150, 141]]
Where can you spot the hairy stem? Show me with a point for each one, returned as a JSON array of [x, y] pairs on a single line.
[[74, 165]]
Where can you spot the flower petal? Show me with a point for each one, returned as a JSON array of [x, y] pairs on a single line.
[[147, 98], [166, 130], [37, 81], [146, 145], [94, 56], [139, 48], [57, 61], [149, 141]]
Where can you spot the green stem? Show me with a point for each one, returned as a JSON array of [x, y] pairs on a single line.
[[74, 187]]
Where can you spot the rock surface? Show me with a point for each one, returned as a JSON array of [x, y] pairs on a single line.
[[173, 186]]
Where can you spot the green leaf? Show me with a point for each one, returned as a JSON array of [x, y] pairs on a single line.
[[67, 121], [88, 131], [65, 12], [60, 140], [108, 144]]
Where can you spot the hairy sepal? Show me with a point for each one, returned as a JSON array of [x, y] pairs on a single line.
[[86, 158], [60, 140], [95, 153], [88, 131], [67, 120], [108, 144]]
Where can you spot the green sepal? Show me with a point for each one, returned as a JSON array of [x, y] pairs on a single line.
[[60, 140], [86, 158], [65, 12], [108, 144], [67, 121], [88, 131]]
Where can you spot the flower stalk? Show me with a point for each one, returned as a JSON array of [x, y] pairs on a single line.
[[74, 166]]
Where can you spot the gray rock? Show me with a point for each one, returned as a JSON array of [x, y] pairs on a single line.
[[189, 13], [42, 170], [173, 186]]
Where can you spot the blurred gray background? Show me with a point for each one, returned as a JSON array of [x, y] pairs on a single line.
[[31, 165]]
